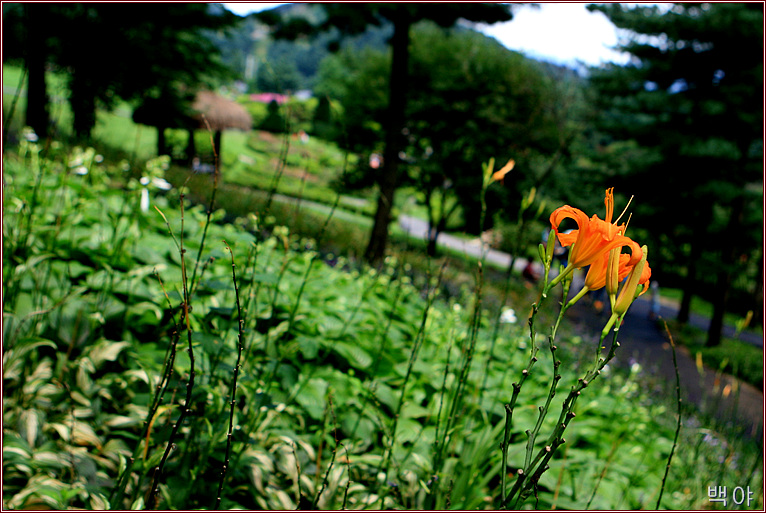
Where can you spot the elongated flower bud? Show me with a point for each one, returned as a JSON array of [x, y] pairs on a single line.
[[612, 267], [551, 245], [628, 292]]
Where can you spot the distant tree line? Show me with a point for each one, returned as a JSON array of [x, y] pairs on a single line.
[[111, 50]]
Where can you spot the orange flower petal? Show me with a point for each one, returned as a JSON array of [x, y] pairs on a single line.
[[499, 176]]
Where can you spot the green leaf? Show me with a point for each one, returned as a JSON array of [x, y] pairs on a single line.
[[77, 433], [408, 430], [365, 428], [30, 422], [270, 279], [99, 502], [354, 354], [309, 347], [223, 312], [312, 397], [216, 285], [120, 421], [13, 357], [106, 350]]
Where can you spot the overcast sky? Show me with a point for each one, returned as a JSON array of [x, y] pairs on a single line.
[[564, 33]]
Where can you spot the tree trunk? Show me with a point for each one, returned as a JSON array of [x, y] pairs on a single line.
[[686, 302], [83, 102], [433, 232], [217, 144], [758, 294], [719, 308], [690, 282], [161, 145], [431, 248], [37, 115], [728, 259], [191, 148], [397, 102]]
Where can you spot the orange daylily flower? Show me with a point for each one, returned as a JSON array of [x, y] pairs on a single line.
[[644, 279], [594, 237], [598, 243]]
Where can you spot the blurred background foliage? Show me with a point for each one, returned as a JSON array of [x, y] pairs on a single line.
[[679, 126]]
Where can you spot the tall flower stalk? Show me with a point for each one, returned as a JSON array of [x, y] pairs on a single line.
[[596, 244]]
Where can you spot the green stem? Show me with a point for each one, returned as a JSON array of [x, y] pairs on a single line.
[[190, 384], [543, 410], [516, 390], [240, 336], [678, 421], [530, 475]]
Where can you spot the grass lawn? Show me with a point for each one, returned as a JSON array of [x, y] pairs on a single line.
[[701, 307], [734, 357]]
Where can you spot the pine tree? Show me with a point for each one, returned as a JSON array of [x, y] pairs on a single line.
[[689, 106]]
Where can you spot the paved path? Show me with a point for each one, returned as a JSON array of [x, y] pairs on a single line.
[[419, 228], [644, 342]]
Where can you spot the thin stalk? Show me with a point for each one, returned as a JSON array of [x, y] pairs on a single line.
[[309, 267], [348, 481], [559, 480], [678, 421], [475, 324], [216, 172], [282, 161], [610, 456], [240, 336], [439, 450], [543, 410], [251, 263], [526, 481], [509, 407], [319, 240], [159, 394], [35, 165], [462, 379], [495, 331], [300, 193], [381, 347], [332, 459], [294, 309], [298, 475], [153, 497]]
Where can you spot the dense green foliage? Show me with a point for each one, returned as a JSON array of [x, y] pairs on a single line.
[[342, 390]]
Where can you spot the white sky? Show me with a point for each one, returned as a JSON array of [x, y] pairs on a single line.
[[564, 33]]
